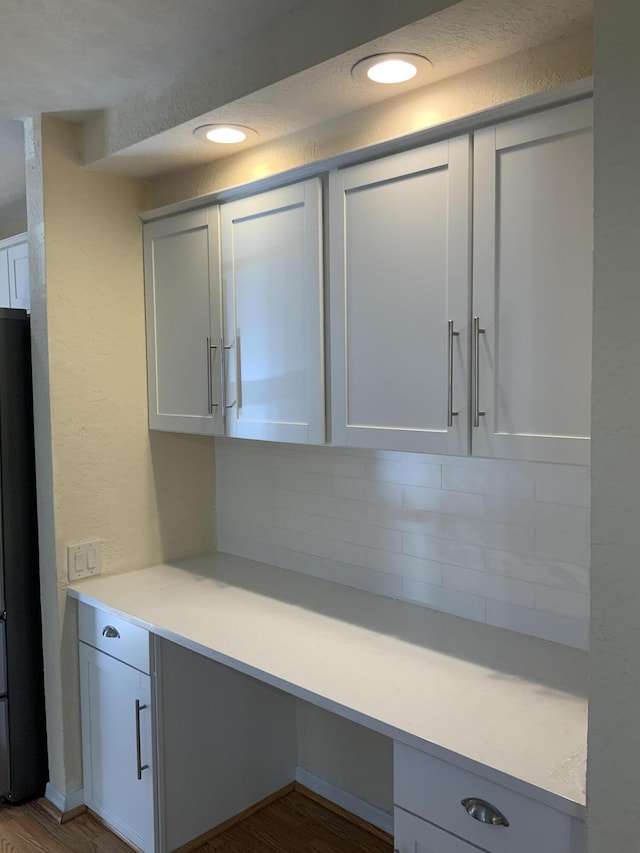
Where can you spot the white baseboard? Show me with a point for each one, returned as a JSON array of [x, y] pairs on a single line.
[[345, 800], [64, 802]]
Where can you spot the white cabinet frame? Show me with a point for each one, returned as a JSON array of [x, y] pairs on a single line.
[[412, 417], [531, 395]]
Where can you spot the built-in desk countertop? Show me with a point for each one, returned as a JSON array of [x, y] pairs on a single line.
[[510, 707]]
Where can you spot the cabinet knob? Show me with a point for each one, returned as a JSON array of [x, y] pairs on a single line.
[[110, 631], [484, 812]]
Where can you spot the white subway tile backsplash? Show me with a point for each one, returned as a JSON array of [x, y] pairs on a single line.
[[563, 601], [318, 546], [563, 484], [539, 571], [318, 504], [567, 547], [442, 550], [365, 490], [571, 519], [497, 587], [489, 477], [537, 623], [496, 541], [447, 600], [438, 500], [344, 573], [301, 481], [389, 471], [413, 568]]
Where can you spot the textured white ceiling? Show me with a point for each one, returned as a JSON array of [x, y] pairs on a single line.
[[58, 55], [464, 36], [76, 56]]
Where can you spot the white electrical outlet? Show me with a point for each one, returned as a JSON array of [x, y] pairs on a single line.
[[83, 561]]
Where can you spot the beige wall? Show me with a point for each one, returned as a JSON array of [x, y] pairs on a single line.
[[102, 475], [536, 70]]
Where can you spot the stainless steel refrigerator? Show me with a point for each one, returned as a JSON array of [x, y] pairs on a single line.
[[23, 748]]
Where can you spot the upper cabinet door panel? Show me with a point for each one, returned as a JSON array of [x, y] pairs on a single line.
[[183, 322], [273, 310], [5, 292], [18, 257], [533, 235], [399, 275]]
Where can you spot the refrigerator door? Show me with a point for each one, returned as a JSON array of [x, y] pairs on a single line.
[[3, 660], [5, 778]]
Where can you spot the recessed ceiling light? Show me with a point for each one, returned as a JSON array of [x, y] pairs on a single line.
[[390, 68], [225, 134]]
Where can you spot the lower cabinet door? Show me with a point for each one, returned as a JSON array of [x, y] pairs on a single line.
[[413, 835], [117, 746]]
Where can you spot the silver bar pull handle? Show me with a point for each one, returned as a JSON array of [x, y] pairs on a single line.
[[209, 395], [223, 374], [484, 812], [450, 413], [210, 348], [139, 765], [477, 331], [238, 374]]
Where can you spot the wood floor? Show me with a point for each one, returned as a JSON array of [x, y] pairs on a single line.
[[293, 824]]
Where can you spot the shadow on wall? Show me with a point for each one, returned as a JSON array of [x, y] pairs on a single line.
[[13, 218], [184, 484]]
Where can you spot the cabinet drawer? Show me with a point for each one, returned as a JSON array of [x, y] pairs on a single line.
[[434, 790], [413, 835], [121, 639]]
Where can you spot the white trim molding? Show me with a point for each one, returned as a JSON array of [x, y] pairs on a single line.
[[345, 800], [64, 802]]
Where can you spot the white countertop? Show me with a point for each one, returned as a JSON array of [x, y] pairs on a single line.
[[460, 690]]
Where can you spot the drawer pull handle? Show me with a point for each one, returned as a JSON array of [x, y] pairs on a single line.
[[484, 812], [111, 632]]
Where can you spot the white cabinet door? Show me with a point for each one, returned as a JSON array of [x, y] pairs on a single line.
[[5, 292], [400, 276], [532, 286], [412, 835], [273, 315], [183, 318], [116, 744], [18, 258]]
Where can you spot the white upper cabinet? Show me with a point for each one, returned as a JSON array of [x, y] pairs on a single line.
[[14, 273], [271, 249], [435, 346], [400, 276], [5, 291], [183, 320], [532, 286], [18, 258]]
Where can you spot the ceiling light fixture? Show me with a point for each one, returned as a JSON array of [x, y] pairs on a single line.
[[224, 134], [390, 68]]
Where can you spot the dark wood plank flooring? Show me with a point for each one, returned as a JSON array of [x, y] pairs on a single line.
[[293, 824]]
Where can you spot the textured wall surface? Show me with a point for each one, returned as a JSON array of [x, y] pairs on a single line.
[[13, 205], [101, 474], [13, 218], [535, 70], [506, 543], [613, 785], [311, 34]]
